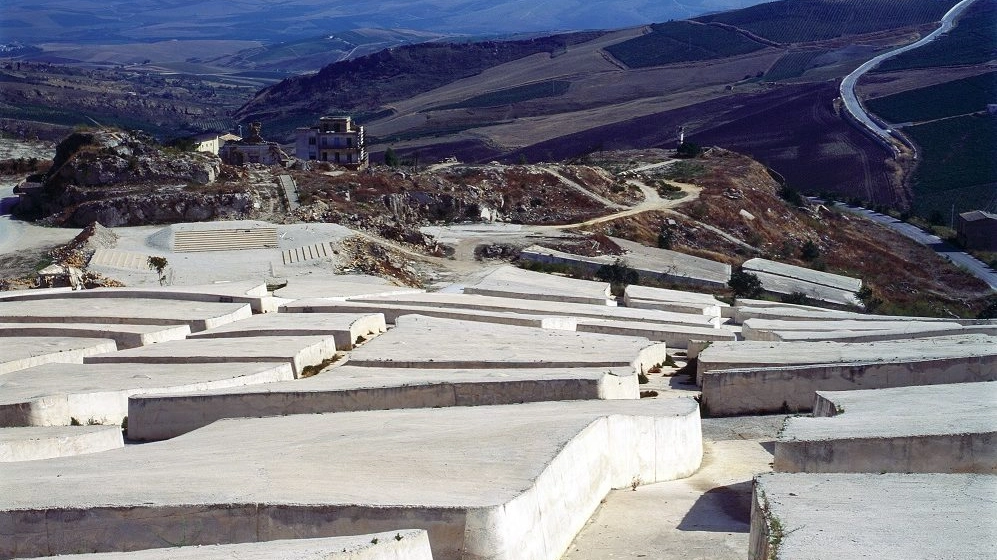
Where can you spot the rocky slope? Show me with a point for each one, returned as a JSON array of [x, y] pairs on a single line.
[[121, 178]]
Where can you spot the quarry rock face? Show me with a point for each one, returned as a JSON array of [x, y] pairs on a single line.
[[117, 178]]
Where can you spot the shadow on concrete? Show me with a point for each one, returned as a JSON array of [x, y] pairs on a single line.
[[724, 509]]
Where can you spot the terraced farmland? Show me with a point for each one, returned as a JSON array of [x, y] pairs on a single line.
[[814, 20], [681, 41]]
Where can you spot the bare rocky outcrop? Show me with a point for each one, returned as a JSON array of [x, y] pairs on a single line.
[[119, 178]]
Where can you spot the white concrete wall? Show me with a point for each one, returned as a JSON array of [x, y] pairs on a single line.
[[793, 388], [158, 417], [33, 444]]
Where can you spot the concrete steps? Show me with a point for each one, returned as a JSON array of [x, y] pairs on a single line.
[[224, 240], [308, 253], [120, 259]]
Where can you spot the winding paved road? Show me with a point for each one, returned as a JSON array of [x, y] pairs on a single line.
[[847, 89], [939, 245]]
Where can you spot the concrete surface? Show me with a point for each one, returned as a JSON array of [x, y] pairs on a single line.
[[136, 311], [35, 444], [391, 312], [805, 275], [703, 517], [125, 336], [426, 342], [792, 331], [339, 287], [659, 264], [312, 475], [514, 282], [345, 328], [253, 292], [883, 516], [22, 352], [395, 545], [55, 394], [349, 388], [544, 308], [747, 354], [905, 332], [299, 351], [644, 297], [936, 428], [778, 284], [752, 310], [768, 389], [675, 336]]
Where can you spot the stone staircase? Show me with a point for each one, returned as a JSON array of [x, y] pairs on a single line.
[[224, 239], [308, 253], [120, 259]]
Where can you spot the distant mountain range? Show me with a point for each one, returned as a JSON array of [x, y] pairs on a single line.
[[91, 21]]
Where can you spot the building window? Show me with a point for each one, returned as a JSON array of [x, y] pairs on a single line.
[[311, 141]]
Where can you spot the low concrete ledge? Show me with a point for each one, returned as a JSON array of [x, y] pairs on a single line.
[[770, 389], [299, 351], [752, 309], [544, 308], [345, 328], [427, 342], [769, 330], [888, 516], [339, 287], [55, 394], [197, 315], [349, 389], [33, 444], [513, 282], [452, 478], [249, 292], [748, 354], [392, 312], [395, 545], [674, 336], [936, 428], [905, 333], [22, 352], [125, 336]]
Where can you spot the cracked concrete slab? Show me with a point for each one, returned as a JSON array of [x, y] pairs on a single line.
[[394, 545], [37, 443], [199, 315], [426, 342], [517, 283], [22, 352], [276, 478], [935, 428], [889, 516], [348, 388], [55, 394], [345, 328], [125, 336], [299, 351]]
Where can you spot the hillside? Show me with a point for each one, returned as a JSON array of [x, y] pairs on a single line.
[[760, 80]]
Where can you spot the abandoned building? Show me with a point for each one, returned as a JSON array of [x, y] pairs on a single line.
[[253, 149], [334, 139], [977, 230]]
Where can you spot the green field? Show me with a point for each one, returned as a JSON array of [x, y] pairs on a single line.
[[681, 41], [958, 97], [813, 20], [973, 41], [792, 65], [508, 96], [957, 164]]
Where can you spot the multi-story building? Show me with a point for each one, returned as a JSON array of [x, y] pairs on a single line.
[[335, 140]]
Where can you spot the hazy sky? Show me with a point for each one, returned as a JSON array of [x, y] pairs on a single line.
[[32, 21]]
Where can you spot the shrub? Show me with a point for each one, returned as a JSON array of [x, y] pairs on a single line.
[[619, 275], [745, 284], [810, 251]]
